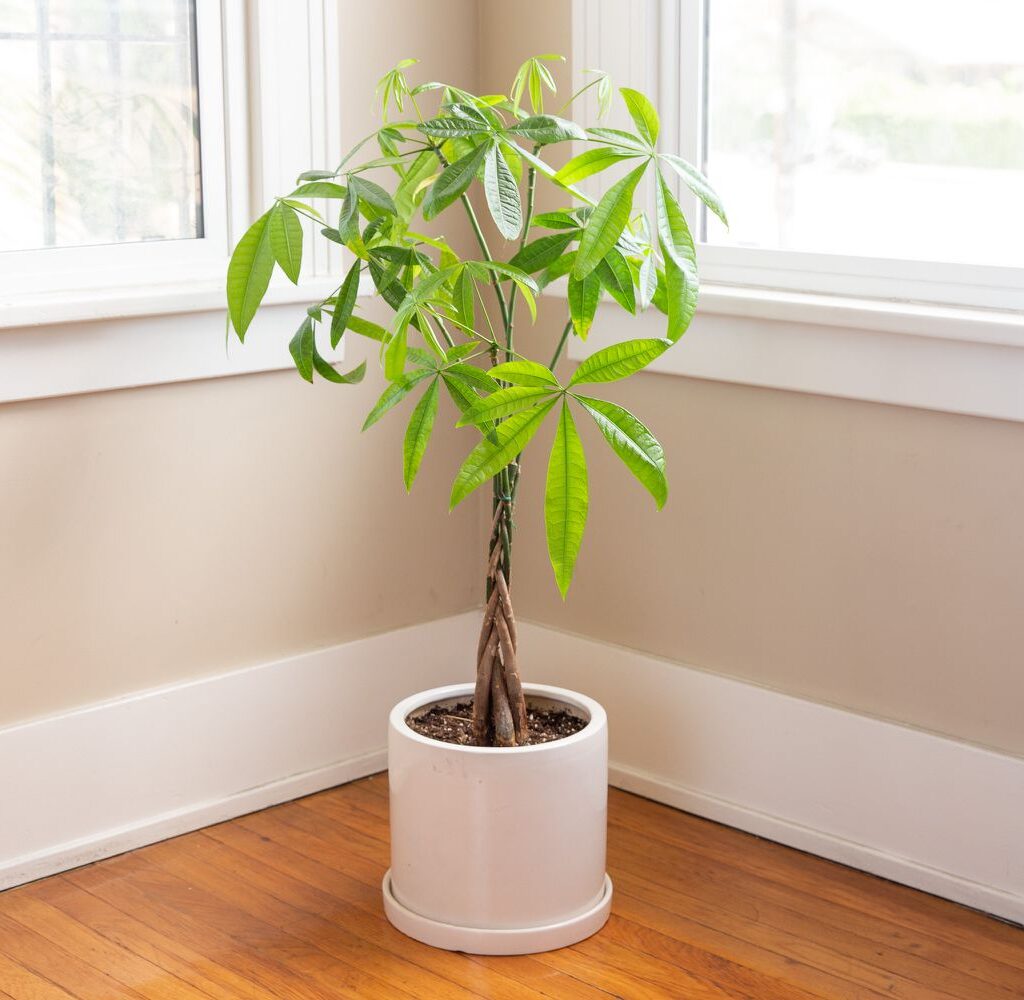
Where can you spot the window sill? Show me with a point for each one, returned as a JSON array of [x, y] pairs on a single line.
[[909, 354], [103, 339]]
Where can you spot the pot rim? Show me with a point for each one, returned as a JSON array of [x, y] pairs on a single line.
[[598, 719]]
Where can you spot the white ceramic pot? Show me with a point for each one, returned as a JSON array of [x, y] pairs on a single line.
[[498, 851]]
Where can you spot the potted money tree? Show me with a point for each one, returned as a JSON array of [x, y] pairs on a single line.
[[498, 786]]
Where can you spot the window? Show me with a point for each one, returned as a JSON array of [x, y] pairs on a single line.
[[102, 140], [115, 167], [880, 128]]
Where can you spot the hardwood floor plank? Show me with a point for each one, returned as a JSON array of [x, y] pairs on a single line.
[[813, 918], [910, 912], [286, 904], [18, 983]]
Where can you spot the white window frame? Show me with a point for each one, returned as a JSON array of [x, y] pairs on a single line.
[[80, 319], [933, 335]]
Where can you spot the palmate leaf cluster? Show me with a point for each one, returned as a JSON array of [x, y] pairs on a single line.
[[441, 336]]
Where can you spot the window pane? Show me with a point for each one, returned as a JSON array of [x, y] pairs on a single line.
[[100, 122], [882, 128]]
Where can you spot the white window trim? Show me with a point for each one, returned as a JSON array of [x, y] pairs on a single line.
[[270, 108], [797, 321]]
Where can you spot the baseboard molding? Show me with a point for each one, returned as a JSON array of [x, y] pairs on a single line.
[[911, 806], [111, 777], [930, 812]]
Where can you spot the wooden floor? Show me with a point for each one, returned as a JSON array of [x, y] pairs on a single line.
[[286, 904]]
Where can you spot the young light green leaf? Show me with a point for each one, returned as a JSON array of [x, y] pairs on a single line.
[[633, 443], [249, 271], [494, 452], [505, 402], [423, 167], [697, 183], [302, 348], [373, 194], [681, 282], [591, 162], [584, 295], [607, 222], [543, 252], [394, 352], [502, 195], [417, 434], [345, 303], [546, 129], [566, 500], [526, 373], [615, 276], [643, 114], [286, 240], [453, 182], [395, 393], [555, 220], [618, 361]]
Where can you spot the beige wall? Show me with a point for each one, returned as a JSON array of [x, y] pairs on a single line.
[[869, 556], [158, 534]]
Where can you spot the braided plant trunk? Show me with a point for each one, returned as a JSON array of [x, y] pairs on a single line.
[[499, 706]]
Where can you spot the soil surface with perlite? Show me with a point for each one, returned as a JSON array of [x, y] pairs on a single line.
[[454, 724]]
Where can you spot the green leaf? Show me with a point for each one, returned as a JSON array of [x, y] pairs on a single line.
[[681, 282], [505, 402], [643, 114], [502, 195], [452, 127], [545, 129], [373, 194], [453, 182], [407, 193], [345, 303], [606, 223], [286, 240], [526, 373], [395, 393], [315, 175], [319, 189], [249, 271], [326, 370], [542, 252], [302, 348], [558, 269], [394, 353], [584, 295], [480, 268], [618, 361], [614, 274], [591, 162], [462, 299], [633, 443], [697, 183], [348, 219], [494, 452], [417, 434], [461, 393], [555, 220], [366, 328], [566, 500], [472, 376], [616, 137]]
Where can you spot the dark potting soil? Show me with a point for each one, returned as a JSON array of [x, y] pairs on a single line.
[[454, 724]]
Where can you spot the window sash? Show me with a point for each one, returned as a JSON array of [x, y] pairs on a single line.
[[31, 272], [666, 54]]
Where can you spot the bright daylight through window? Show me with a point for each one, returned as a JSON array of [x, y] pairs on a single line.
[[881, 128], [100, 122]]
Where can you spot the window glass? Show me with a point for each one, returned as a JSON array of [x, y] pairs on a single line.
[[881, 128], [100, 120]]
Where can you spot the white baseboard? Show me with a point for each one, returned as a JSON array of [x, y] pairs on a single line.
[[930, 812], [107, 778]]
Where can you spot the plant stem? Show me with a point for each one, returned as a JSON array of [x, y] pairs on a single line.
[[485, 250], [561, 345]]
